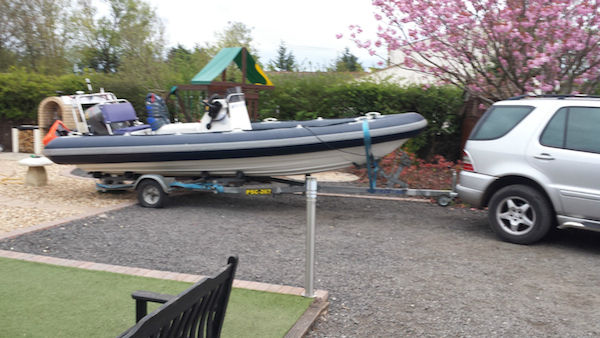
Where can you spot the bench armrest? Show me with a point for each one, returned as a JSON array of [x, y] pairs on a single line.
[[141, 302]]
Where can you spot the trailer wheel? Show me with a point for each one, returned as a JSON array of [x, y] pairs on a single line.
[[150, 194], [444, 201]]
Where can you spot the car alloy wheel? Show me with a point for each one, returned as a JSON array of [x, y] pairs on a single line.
[[520, 214]]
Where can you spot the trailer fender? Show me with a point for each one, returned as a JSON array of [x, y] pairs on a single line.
[[163, 181]]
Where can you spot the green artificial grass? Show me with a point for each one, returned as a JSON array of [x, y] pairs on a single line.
[[42, 300]]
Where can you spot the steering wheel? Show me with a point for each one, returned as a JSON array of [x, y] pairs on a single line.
[[214, 107]]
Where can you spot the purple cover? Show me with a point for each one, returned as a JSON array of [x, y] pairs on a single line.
[[118, 112]]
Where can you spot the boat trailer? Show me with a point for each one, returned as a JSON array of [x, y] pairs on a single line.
[[152, 189]]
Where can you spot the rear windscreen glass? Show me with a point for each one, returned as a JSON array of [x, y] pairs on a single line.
[[498, 121]]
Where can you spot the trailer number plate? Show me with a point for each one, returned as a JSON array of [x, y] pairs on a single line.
[[258, 192]]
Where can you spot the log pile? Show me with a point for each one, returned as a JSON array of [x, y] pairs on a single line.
[[26, 141]]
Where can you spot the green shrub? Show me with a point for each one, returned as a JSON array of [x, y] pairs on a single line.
[[21, 92], [299, 96], [306, 96]]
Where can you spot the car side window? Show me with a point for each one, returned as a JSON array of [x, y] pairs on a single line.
[[582, 129], [498, 121], [554, 134], [573, 128]]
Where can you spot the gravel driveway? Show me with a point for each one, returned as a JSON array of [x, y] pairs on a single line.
[[392, 268]]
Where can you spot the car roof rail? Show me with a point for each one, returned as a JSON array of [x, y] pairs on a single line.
[[556, 96]]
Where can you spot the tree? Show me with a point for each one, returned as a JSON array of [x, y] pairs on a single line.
[[285, 60], [8, 56], [236, 34], [32, 35], [131, 34], [179, 59], [185, 63], [347, 62], [104, 51], [494, 49]]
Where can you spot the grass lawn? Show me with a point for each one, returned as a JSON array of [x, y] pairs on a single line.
[[41, 300]]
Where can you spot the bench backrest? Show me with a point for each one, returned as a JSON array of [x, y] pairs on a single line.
[[118, 112], [196, 312]]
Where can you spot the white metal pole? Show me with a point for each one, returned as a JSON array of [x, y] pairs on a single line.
[[15, 140], [311, 206], [37, 141]]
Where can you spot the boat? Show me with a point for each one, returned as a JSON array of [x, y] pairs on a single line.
[[226, 143]]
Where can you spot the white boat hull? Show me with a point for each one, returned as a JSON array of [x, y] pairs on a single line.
[[253, 166]]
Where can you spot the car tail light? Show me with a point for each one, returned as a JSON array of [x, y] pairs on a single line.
[[467, 163]]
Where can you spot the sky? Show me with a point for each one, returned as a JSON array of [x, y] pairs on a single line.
[[308, 27]]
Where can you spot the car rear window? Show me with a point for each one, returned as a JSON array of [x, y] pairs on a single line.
[[498, 121]]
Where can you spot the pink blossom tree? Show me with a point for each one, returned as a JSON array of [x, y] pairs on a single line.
[[494, 49]]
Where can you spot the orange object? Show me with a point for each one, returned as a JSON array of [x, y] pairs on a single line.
[[54, 132]]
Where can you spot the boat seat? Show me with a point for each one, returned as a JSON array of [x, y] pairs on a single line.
[[122, 131], [121, 112]]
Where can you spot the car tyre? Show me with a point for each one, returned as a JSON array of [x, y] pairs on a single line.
[[150, 194], [520, 214]]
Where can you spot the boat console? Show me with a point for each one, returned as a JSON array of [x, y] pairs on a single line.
[[222, 115]]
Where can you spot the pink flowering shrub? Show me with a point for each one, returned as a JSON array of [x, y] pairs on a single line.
[[494, 49]]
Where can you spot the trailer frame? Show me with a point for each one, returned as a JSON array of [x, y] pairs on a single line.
[[152, 189]]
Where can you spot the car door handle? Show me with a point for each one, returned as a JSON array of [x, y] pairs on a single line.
[[544, 156]]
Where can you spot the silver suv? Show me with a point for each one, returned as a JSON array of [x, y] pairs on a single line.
[[535, 162]]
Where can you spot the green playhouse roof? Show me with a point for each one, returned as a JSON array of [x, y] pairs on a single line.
[[254, 74]]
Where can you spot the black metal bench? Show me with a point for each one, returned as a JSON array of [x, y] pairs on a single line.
[[196, 312]]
